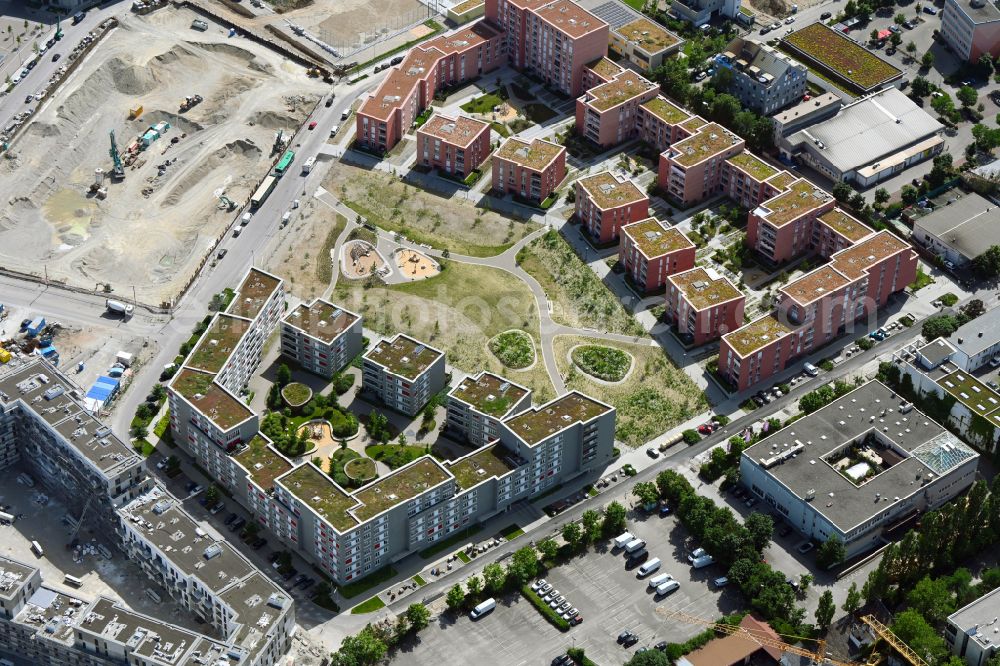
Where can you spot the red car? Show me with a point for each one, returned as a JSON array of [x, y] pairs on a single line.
[[312, 125], [705, 429]]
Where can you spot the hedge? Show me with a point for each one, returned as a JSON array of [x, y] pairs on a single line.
[[554, 618]]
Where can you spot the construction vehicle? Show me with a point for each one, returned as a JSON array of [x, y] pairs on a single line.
[[818, 655], [226, 204], [118, 307], [135, 112], [118, 173], [280, 141], [190, 101]]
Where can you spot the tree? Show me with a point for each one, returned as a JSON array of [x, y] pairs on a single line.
[[825, 610], [927, 61], [881, 196], [283, 376], [761, 529], [857, 202], [932, 598], [831, 552], [591, 525], [987, 265], [494, 577], [938, 326], [911, 48], [853, 601], [874, 35], [920, 87], [909, 195], [942, 170], [572, 534], [614, 519], [986, 64], [974, 308], [842, 191], [364, 649], [649, 658], [549, 549], [911, 628], [455, 597], [211, 496], [418, 616], [646, 492], [968, 96], [523, 565], [474, 587], [895, 40], [899, 19]]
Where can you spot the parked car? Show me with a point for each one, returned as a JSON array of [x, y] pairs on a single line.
[[258, 543], [930, 10], [766, 29], [636, 558], [230, 518], [664, 510], [221, 253], [652, 452], [537, 584], [627, 638], [238, 525], [721, 581], [705, 429], [993, 385], [805, 547], [396, 60], [785, 530], [544, 589], [810, 369], [329, 102], [219, 506], [571, 613], [312, 125], [555, 603], [550, 596], [824, 16]]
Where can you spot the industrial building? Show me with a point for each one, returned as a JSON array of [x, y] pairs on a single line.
[[857, 467], [971, 631], [961, 230], [321, 337]]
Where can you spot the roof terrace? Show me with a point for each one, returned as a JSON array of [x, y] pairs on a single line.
[[458, 131], [850, 228], [800, 199], [651, 37], [665, 111], [759, 333], [400, 486], [654, 238], [250, 298], [627, 85], [200, 389], [535, 425], [536, 155], [607, 191], [218, 342], [857, 259], [817, 284], [701, 290], [709, 141], [321, 320], [264, 463], [488, 462], [757, 168], [318, 491], [462, 39], [403, 356], [489, 394]]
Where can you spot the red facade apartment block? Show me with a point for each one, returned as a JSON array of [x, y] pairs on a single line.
[[530, 170], [651, 251], [691, 169], [703, 306], [453, 145], [605, 202]]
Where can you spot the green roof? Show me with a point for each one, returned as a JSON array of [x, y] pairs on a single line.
[[841, 56], [319, 492], [535, 425], [400, 486], [490, 394], [403, 356], [263, 463], [218, 343], [753, 165], [200, 389], [482, 465], [748, 339], [665, 111], [972, 393]]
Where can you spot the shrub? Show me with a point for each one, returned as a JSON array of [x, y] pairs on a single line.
[[515, 349], [554, 618], [691, 436], [342, 383], [605, 363]]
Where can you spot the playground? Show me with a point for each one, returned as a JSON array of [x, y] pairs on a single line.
[[415, 265], [360, 259]]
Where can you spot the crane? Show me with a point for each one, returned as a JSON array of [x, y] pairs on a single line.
[[119, 171], [885, 633], [765, 640]]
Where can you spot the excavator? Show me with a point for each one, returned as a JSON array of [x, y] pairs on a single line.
[[190, 101], [118, 173]]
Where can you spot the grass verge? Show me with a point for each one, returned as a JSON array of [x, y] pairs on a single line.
[[369, 606], [450, 542], [324, 263], [554, 618], [511, 532], [376, 578], [419, 581], [462, 556]]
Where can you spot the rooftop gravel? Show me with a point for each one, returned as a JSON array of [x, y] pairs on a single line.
[[701, 290], [753, 165], [484, 464], [535, 155], [655, 239]]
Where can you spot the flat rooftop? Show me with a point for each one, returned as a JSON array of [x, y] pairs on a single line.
[[13, 577], [403, 356], [605, 68], [458, 131], [318, 491], [220, 406], [489, 394], [654, 238], [463, 7], [666, 111], [539, 423], [983, 11], [218, 343], [911, 449], [259, 605], [755, 167], [694, 123], [649, 36], [401, 82], [857, 259], [47, 393], [399, 486], [570, 18], [321, 320], [969, 223], [847, 226], [972, 393], [815, 284], [53, 613], [536, 155], [607, 191], [264, 463], [781, 180], [253, 293], [627, 85], [462, 39], [800, 199], [758, 333], [709, 141], [841, 56], [702, 290], [977, 619], [486, 463]]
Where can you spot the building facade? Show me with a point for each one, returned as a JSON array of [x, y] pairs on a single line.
[[403, 373], [691, 169], [762, 78], [477, 406], [321, 337], [606, 202], [607, 113], [971, 28], [644, 43], [457, 145], [652, 251], [531, 171], [970, 630], [780, 229], [702, 306]]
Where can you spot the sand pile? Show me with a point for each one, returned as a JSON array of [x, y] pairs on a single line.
[[245, 152], [272, 120]]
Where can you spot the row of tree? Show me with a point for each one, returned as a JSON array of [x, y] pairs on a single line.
[[370, 645]]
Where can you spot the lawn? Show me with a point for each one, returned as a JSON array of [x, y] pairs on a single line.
[[656, 396], [419, 581], [500, 129], [511, 532], [605, 363], [324, 264], [514, 349], [539, 113], [368, 582], [369, 606], [483, 103], [578, 296], [296, 394], [394, 455], [840, 55], [923, 280], [456, 311], [458, 538], [446, 224]]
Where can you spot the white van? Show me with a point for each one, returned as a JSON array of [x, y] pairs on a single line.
[[634, 545], [36, 548], [659, 580], [649, 567], [702, 562], [667, 588], [483, 608], [620, 541], [810, 369]]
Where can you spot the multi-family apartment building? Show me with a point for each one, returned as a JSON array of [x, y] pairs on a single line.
[[605, 202], [531, 171], [691, 169], [321, 337], [764, 79], [660, 123], [409, 88], [477, 405], [818, 307], [971, 28], [607, 113], [403, 373], [457, 146], [780, 229], [651, 251], [749, 180], [600, 71], [703, 306], [644, 43]]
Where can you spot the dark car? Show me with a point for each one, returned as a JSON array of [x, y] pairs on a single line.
[[824, 16], [238, 525], [624, 636], [230, 518], [288, 574], [329, 102], [562, 660], [636, 558], [307, 583], [630, 641], [396, 60], [258, 543], [222, 253], [664, 510], [661, 646]]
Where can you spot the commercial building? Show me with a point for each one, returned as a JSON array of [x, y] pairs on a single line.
[[477, 405], [805, 113], [606, 202], [644, 43], [409, 88], [971, 28], [858, 467], [700, 12], [321, 337], [457, 146], [531, 171], [607, 113], [971, 630], [764, 79], [702, 306], [960, 231], [691, 169], [403, 373], [868, 140], [780, 229], [651, 251]]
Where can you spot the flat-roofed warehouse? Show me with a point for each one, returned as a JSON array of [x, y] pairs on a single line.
[[859, 466], [961, 230], [869, 140]]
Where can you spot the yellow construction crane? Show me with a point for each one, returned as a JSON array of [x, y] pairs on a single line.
[[885, 633]]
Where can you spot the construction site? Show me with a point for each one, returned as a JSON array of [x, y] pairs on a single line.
[[131, 170]]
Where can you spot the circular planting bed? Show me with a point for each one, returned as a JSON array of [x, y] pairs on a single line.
[[514, 348], [296, 395], [604, 363], [360, 470]]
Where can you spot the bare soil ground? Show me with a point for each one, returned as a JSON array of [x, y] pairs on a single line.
[[415, 265], [304, 246], [347, 23], [153, 230]]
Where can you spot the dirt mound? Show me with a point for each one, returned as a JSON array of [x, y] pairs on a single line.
[[40, 129], [227, 49], [132, 79], [272, 120], [238, 156], [178, 123]]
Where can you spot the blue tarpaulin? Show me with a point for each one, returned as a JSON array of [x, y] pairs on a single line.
[[103, 389]]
